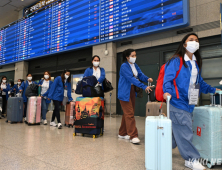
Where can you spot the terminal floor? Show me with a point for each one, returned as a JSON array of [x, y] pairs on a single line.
[[43, 147]]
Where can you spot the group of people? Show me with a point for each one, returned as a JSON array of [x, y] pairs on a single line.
[[131, 77]]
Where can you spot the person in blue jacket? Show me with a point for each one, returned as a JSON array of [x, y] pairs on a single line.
[[5, 87], [16, 86], [189, 84], [45, 84], [23, 88], [96, 71], [60, 88], [12, 90], [130, 76]]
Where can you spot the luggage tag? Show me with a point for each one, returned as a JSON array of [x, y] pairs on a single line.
[[194, 90], [65, 93]]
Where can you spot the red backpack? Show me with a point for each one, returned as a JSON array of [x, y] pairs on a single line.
[[159, 85]]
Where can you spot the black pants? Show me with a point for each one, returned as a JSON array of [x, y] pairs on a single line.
[[25, 109], [56, 111], [4, 104]]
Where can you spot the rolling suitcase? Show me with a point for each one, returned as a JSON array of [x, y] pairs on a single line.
[[155, 108], [15, 110], [89, 118], [207, 128], [69, 114], [158, 142], [34, 111]]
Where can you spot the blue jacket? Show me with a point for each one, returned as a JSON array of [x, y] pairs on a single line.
[[127, 78], [16, 88], [23, 87], [89, 72], [6, 90], [182, 81], [56, 91], [46, 93]]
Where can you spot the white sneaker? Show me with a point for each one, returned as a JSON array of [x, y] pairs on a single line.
[[135, 140], [196, 165], [60, 126], [25, 119], [53, 124], [127, 137], [45, 122]]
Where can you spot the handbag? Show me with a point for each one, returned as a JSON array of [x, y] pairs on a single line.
[[107, 86], [99, 91]]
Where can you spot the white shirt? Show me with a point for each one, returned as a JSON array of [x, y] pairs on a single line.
[[97, 74], [194, 71], [45, 87], [3, 86], [135, 72], [30, 82]]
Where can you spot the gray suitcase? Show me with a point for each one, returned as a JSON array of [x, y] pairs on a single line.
[[15, 109]]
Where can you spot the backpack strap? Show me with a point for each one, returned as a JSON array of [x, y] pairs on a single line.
[[174, 80]]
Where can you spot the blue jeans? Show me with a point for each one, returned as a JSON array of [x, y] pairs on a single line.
[[183, 133], [44, 108]]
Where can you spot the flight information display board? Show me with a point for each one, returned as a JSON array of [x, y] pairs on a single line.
[[69, 24]]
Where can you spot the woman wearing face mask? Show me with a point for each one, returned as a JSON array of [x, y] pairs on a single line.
[[4, 91], [23, 88], [45, 84], [189, 81], [60, 88], [96, 71], [130, 74], [16, 87]]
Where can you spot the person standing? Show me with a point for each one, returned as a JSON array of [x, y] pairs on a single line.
[[130, 77], [45, 84], [189, 82], [16, 86], [23, 88], [60, 88], [5, 87]]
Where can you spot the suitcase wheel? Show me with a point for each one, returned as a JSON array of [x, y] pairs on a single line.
[[94, 136], [101, 134], [74, 134], [69, 126], [209, 165]]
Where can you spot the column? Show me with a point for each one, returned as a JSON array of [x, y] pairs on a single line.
[[21, 70], [109, 63]]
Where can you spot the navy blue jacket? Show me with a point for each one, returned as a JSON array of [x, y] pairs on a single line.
[[56, 91], [183, 82], [47, 92], [127, 78], [23, 87]]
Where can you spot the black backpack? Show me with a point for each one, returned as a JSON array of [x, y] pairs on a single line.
[[32, 90]]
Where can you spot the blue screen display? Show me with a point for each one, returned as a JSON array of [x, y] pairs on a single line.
[[71, 24]]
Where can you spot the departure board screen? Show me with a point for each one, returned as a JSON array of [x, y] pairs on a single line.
[[70, 24]]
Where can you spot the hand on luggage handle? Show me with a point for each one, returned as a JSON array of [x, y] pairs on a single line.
[[168, 107]]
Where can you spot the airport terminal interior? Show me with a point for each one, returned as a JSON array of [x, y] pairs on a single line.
[[72, 92]]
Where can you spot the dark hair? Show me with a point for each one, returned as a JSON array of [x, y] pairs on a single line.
[[49, 74], [127, 53], [63, 76], [181, 51], [28, 74], [94, 58], [12, 83], [4, 77], [20, 80]]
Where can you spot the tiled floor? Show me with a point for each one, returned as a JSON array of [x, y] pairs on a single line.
[[44, 147]]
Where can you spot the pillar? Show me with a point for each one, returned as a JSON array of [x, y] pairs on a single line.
[[21, 70]]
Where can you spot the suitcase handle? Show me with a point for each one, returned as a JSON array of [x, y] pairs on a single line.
[[168, 107], [213, 103]]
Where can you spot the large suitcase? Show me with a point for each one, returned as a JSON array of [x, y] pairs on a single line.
[[69, 114], [207, 128], [15, 109], [33, 113], [155, 108], [158, 142], [89, 118]]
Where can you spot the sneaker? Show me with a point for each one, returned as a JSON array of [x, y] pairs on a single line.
[[53, 124], [196, 165], [25, 119], [60, 126], [135, 140], [45, 122], [127, 137]]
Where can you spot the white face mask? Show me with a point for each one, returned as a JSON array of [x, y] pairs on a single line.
[[4, 81], [132, 60], [46, 76], [19, 83], [96, 64], [66, 76], [192, 46], [29, 78]]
